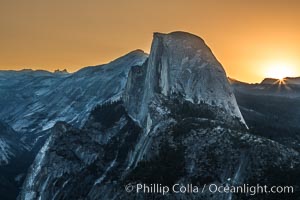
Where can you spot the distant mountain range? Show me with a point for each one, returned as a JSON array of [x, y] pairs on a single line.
[[288, 87], [287, 80], [170, 117]]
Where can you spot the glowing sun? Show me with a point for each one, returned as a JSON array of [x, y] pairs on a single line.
[[279, 71]]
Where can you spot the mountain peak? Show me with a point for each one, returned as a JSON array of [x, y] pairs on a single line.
[[137, 51], [58, 71], [181, 63], [179, 34], [187, 46], [138, 54]]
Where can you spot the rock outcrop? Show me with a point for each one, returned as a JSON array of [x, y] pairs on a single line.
[[181, 66]]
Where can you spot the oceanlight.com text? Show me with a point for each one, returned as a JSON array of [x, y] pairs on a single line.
[[252, 190]]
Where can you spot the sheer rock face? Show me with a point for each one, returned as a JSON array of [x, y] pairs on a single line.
[[182, 65]]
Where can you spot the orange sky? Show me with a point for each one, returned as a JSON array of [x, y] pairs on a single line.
[[249, 38]]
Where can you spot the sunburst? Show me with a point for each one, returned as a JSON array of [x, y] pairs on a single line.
[[279, 71]]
